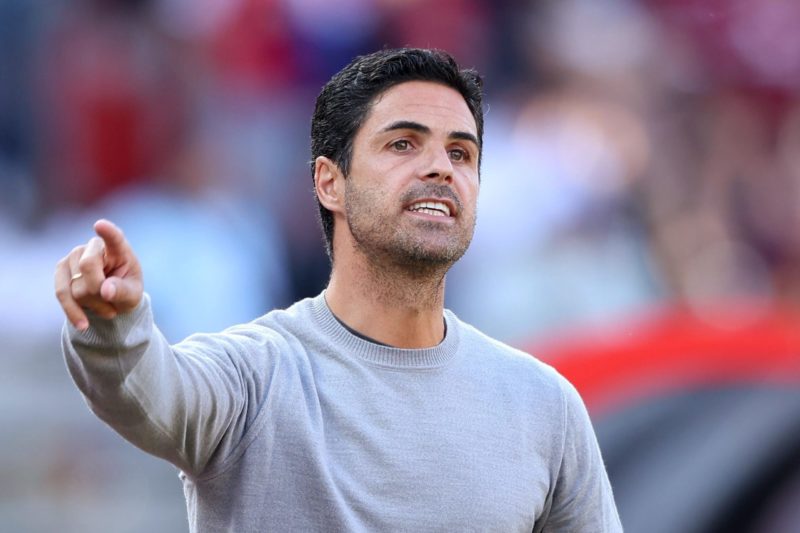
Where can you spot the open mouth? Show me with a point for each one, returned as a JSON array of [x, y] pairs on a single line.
[[439, 209]]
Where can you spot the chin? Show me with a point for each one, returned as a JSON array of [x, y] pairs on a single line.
[[430, 256]]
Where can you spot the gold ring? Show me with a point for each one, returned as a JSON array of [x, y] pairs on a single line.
[[77, 276]]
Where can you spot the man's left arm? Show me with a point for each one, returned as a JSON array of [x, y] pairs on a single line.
[[582, 500]]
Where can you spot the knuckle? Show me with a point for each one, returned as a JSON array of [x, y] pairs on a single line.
[[63, 294], [88, 261], [79, 292]]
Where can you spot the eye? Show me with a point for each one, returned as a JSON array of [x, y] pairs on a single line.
[[458, 155], [401, 145]]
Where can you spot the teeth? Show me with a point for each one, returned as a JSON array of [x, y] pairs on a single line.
[[431, 208]]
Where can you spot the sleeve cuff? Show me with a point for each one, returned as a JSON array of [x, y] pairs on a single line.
[[114, 331]]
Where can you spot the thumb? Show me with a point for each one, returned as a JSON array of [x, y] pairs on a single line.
[[123, 293]]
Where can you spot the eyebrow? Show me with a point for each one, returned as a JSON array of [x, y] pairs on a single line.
[[422, 128]]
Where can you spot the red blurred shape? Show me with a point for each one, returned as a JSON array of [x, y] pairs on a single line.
[[676, 350]]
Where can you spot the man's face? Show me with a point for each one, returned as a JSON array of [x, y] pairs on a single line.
[[411, 193]]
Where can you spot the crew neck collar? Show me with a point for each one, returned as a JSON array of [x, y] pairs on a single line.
[[383, 355]]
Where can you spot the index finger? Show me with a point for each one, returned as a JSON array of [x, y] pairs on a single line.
[[116, 247]]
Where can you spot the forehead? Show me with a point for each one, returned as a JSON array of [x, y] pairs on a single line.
[[429, 103]]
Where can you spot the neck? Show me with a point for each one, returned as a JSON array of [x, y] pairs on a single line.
[[395, 305]]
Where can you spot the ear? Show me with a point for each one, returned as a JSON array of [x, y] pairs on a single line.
[[329, 184]]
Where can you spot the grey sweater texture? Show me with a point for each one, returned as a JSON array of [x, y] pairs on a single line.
[[293, 423]]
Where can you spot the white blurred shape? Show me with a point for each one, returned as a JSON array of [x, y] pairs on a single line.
[[596, 37], [208, 263]]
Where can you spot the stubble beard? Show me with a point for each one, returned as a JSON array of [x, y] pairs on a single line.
[[419, 249]]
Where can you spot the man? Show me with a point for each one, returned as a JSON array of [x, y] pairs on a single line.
[[368, 407]]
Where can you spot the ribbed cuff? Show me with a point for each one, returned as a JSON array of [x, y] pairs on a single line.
[[110, 332]]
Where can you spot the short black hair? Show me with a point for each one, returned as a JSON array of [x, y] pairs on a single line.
[[344, 102]]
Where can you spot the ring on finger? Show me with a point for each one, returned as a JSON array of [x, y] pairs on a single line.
[[76, 276]]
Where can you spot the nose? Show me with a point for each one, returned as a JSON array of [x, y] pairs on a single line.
[[439, 165]]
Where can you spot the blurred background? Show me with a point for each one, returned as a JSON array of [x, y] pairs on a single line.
[[638, 222]]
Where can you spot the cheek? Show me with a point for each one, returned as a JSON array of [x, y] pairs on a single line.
[[469, 192], [364, 199], [381, 172]]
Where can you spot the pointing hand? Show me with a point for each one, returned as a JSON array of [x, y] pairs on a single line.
[[102, 276]]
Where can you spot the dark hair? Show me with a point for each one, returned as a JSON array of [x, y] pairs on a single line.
[[344, 102]]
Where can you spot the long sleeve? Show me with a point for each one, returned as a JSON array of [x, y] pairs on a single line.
[[582, 500], [294, 422], [177, 403]]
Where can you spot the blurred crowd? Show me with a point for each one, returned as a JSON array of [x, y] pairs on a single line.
[[638, 153]]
